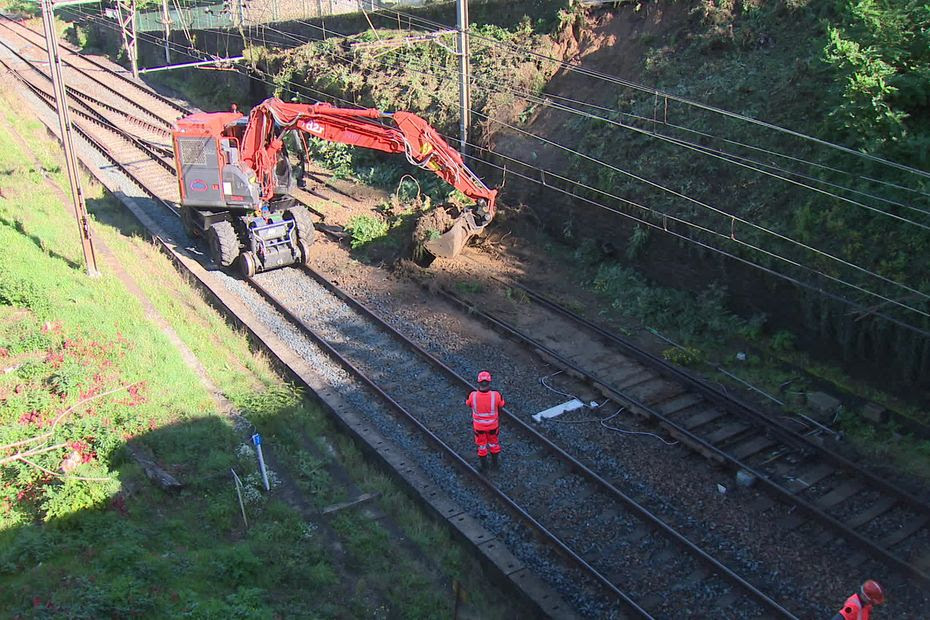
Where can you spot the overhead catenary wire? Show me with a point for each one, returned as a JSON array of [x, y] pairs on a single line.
[[731, 217], [685, 238], [741, 161], [576, 68], [728, 157], [767, 252]]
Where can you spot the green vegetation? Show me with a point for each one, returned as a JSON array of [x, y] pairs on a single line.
[[852, 72], [882, 50], [365, 229], [89, 372], [704, 335]]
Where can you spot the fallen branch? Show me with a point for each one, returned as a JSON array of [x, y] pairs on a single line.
[[61, 416], [57, 475], [33, 452]]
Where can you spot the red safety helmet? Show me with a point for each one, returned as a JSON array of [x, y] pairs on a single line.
[[484, 375], [872, 592]]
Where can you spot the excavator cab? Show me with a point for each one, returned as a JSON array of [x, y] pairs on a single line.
[[222, 197]]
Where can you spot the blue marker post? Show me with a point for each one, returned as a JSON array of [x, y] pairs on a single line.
[[257, 440]]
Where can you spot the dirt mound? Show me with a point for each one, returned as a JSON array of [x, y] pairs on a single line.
[[432, 224], [429, 227]]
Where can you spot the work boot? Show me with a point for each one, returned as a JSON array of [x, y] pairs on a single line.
[[495, 462], [483, 463]]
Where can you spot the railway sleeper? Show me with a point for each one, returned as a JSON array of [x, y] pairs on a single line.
[[694, 445]]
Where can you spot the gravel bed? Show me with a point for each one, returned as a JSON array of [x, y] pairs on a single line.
[[817, 587], [808, 577], [576, 587], [440, 405]]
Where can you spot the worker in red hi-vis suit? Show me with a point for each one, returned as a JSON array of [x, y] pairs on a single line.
[[859, 605], [485, 406]]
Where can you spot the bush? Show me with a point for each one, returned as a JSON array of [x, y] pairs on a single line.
[[365, 229], [74, 495], [20, 293], [782, 341], [686, 356]]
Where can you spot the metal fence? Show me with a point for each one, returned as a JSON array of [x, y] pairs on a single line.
[[235, 13]]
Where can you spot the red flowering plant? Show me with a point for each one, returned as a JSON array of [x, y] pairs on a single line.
[[57, 412]]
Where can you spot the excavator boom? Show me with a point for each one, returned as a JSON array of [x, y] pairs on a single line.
[[363, 127]]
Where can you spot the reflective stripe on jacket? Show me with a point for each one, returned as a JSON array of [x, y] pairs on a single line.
[[485, 409], [853, 609]]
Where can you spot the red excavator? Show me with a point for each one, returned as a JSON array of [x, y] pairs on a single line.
[[235, 177]]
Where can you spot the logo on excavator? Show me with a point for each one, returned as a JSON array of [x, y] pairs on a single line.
[[198, 185], [314, 127]]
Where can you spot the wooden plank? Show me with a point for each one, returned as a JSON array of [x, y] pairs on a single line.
[[144, 457], [752, 446], [810, 478], [635, 379], [878, 508], [679, 403], [904, 531], [728, 431], [839, 494], [702, 418]]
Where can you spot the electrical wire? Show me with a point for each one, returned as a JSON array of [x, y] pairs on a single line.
[[542, 381], [733, 218], [659, 93], [653, 225], [766, 252], [717, 153]]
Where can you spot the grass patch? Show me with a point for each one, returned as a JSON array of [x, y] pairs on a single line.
[[83, 532]]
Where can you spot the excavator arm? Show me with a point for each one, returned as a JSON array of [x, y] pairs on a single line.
[[398, 132]]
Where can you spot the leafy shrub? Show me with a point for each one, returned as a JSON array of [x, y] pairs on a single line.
[[21, 293], [73, 495], [333, 156], [783, 341], [234, 565], [68, 377], [638, 239], [588, 252], [686, 356], [365, 229]]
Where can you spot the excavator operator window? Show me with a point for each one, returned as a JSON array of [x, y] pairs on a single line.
[[230, 147]]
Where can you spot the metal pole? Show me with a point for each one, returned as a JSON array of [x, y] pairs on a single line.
[[464, 79], [257, 440], [64, 124], [167, 19], [126, 12]]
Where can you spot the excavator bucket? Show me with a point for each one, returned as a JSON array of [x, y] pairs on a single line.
[[451, 242]]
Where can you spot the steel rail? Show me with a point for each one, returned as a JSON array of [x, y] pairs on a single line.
[[460, 462], [91, 115], [17, 31], [722, 399], [549, 537], [636, 404], [641, 511], [587, 472], [105, 124]]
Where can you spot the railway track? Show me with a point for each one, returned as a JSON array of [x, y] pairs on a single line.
[[128, 140], [643, 553], [104, 81], [626, 551], [882, 519], [692, 573]]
